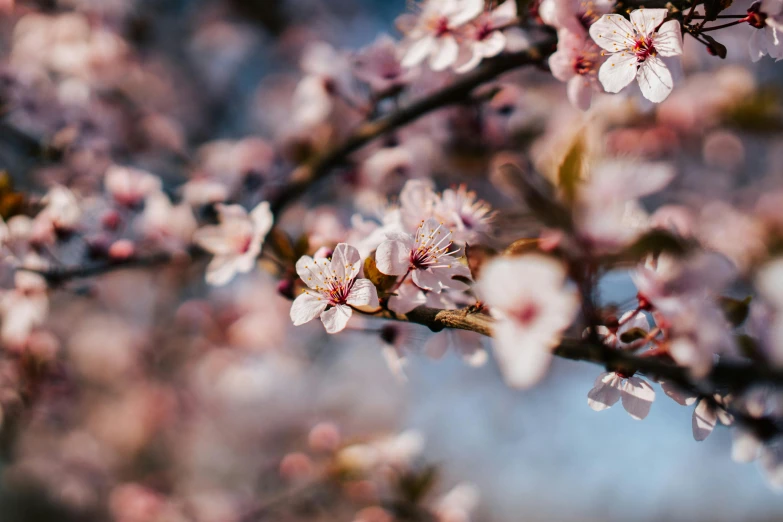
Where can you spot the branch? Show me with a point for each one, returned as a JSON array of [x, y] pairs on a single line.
[[731, 375], [455, 93]]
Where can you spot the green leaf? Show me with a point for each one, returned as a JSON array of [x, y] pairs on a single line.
[[570, 173], [381, 281], [632, 335], [735, 310]]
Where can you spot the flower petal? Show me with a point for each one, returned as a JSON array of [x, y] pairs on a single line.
[[638, 397], [617, 72], [363, 293], [419, 51], [613, 32], [704, 420], [605, 392], [307, 307], [646, 20], [221, 270], [346, 262], [654, 79], [336, 318], [523, 361], [445, 53], [668, 39], [393, 258], [580, 93], [408, 297]]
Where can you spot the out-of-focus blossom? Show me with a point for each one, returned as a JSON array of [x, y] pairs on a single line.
[[707, 414], [235, 242], [484, 36], [433, 35], [130, 186], [533, 305], [637, 395], [379, 66], [61, 214], [767, 17], [333, 284], [426, 257], [170, 226], [576, 62], [468, 217], [26, 307], [635, 48], [458, 504]]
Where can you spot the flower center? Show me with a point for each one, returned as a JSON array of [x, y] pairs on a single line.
[[442, 26], [643, 48], [483, 31], [583, 65], [527, 313]]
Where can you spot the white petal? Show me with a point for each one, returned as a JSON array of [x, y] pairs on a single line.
[[419, 51], [437, 345], [613, 32], [646, 20], [346, 262], [654, 79], [408, 297], [677, 394], [744, 446], [428, 280], [393, 257], [617, 71], [638, 397], [214, 240], [523, 361], [561, 63], [668, 39], [492, 45], [605, 393], [262, 218], [310, 270], [757, 45], [703, 421], [445, 53], [306, 307], [469, 10], [336, 318], [363, 293], [505, 12], [221, 270], [580, 93]]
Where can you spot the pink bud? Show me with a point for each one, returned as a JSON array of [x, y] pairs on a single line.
[[324, 437], [122, 250]]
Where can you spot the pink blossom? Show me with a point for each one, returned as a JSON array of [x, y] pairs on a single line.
[[635, 48], [637, 395], [333, 289], [575, 16], [766, 17], [130, 186], [235, 242], [533, 305], [576, 62], [426, 256], [433, 36], [484, 38]]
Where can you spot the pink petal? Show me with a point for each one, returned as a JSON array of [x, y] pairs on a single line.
[[306, 307], [336, 318], [703, 421], [393, 258], [605, 393], [637, 396], [363, 293]]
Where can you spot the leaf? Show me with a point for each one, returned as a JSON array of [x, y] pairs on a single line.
[[632, 335], [655, 242], [735, 310], [477, 255], [522, 246], [749, 348], [11, 202], [381, 281], [282, 244], [715, 48], [570, 172]]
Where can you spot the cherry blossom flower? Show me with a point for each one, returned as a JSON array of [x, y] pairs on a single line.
[[635, 49], [26, 306], [637, 395], [235, 241], [468, 217], [484, 36], [334, 288], [130, 186], [706, 416], [767, 17], [533, 305], [426, 256], [576, 62], [379, 66], [433, 36]]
